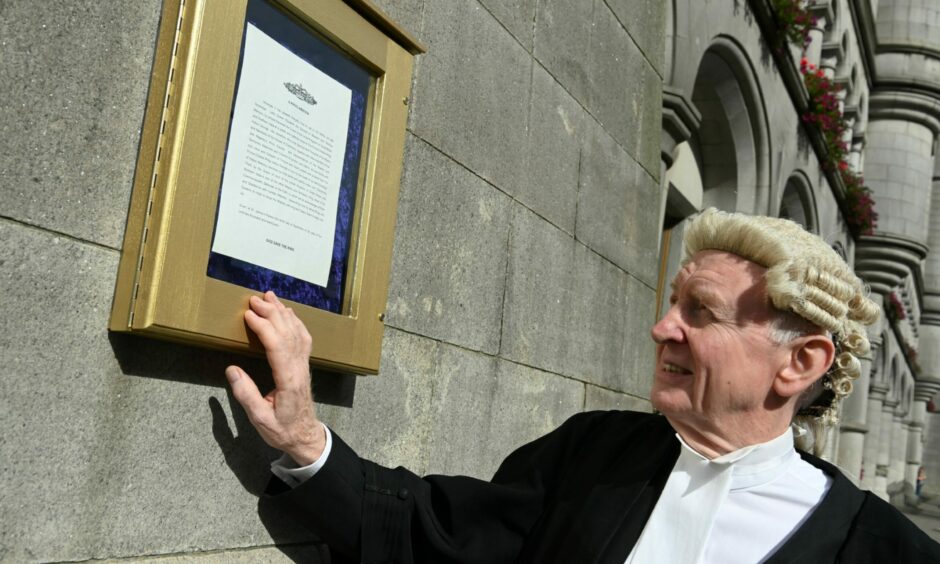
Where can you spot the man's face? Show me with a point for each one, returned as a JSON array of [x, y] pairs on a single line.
[[715, 358]]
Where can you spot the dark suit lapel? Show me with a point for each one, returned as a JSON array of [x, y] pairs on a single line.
[[821, 536], [616, 508]]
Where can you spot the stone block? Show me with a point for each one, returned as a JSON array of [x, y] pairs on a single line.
[[618, 207], [878, 171], [528, 403], [391, 413], [599, 399], [472, 91], [149, 456], [563, 31], [645, 21], [517, 15], [446, 284], [409, 14], [649, 124], [625, 93], [639, 351], [591, 54], [487, 408], [572, 312], [464, 389], [74, 79], [547, 179]]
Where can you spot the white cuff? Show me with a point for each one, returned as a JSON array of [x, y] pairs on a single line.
[[293, 475]]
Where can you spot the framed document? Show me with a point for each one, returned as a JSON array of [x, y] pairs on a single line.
[[270, 160]]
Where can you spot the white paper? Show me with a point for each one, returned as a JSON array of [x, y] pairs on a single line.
[[284, 164]]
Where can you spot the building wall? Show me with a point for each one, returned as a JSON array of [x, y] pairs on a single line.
[[523, 279], [732, 99], [525, 264]]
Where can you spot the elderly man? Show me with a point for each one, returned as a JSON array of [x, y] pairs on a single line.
[[763, 331]]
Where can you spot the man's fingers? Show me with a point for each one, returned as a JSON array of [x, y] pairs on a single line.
[[247, 394], [271, 298], [275, 324], [262, 306], [271, 309], [266, 304], [263, 327]]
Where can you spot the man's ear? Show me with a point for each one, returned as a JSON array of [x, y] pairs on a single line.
[[810, 358]]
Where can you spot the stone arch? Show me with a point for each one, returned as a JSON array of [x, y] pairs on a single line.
[[862, 122], [798, 202], [906, 393], [839, 248], [732, 145], [884, 366], [901, 386], [853, 80], [877, 365], [893, 379], [833, 24]]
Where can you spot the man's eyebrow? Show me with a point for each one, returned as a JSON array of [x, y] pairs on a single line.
[[703, 291]]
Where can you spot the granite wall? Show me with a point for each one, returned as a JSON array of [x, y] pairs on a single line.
[[522, 288]]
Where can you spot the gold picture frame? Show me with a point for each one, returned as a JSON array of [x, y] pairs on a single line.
[[163, 289]]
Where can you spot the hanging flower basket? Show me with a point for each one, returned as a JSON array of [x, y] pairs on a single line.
[[795, 21], [825, 114], [895, 308], [861, 217]]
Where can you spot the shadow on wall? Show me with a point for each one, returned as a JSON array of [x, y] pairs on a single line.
[[245, 453]]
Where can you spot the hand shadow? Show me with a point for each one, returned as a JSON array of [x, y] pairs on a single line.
[[249, 459]]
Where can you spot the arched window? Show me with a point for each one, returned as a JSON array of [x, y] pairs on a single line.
[[726, 161], [798, 203]]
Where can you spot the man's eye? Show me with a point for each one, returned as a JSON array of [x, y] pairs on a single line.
[[699, 310]]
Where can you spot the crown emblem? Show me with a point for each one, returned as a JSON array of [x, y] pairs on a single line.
[[300, 92]]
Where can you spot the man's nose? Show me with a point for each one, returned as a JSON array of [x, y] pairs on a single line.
[[669, 328]]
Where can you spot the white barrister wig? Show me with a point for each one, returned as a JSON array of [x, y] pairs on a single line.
[[804, 276]]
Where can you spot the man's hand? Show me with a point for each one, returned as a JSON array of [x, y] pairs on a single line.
[[284, 418]]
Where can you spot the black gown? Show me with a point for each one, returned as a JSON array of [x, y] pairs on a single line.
[[581, 494]]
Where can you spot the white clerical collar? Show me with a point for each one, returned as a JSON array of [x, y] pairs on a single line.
[[754, 464], [695, 491]]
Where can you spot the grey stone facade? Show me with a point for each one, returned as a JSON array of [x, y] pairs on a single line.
[[547, 141], [523, 277]]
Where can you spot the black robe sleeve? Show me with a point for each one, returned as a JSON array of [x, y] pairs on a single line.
[[375, 514], [881, 533]]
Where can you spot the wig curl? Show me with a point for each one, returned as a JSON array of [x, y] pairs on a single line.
[[806, 277]]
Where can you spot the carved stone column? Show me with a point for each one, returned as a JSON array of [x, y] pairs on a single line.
[[915, 452], [884, 448], [876, 397], [898, 457], [899, 164], [830, 445], [854, 426], [822, 9], [855, 149]]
